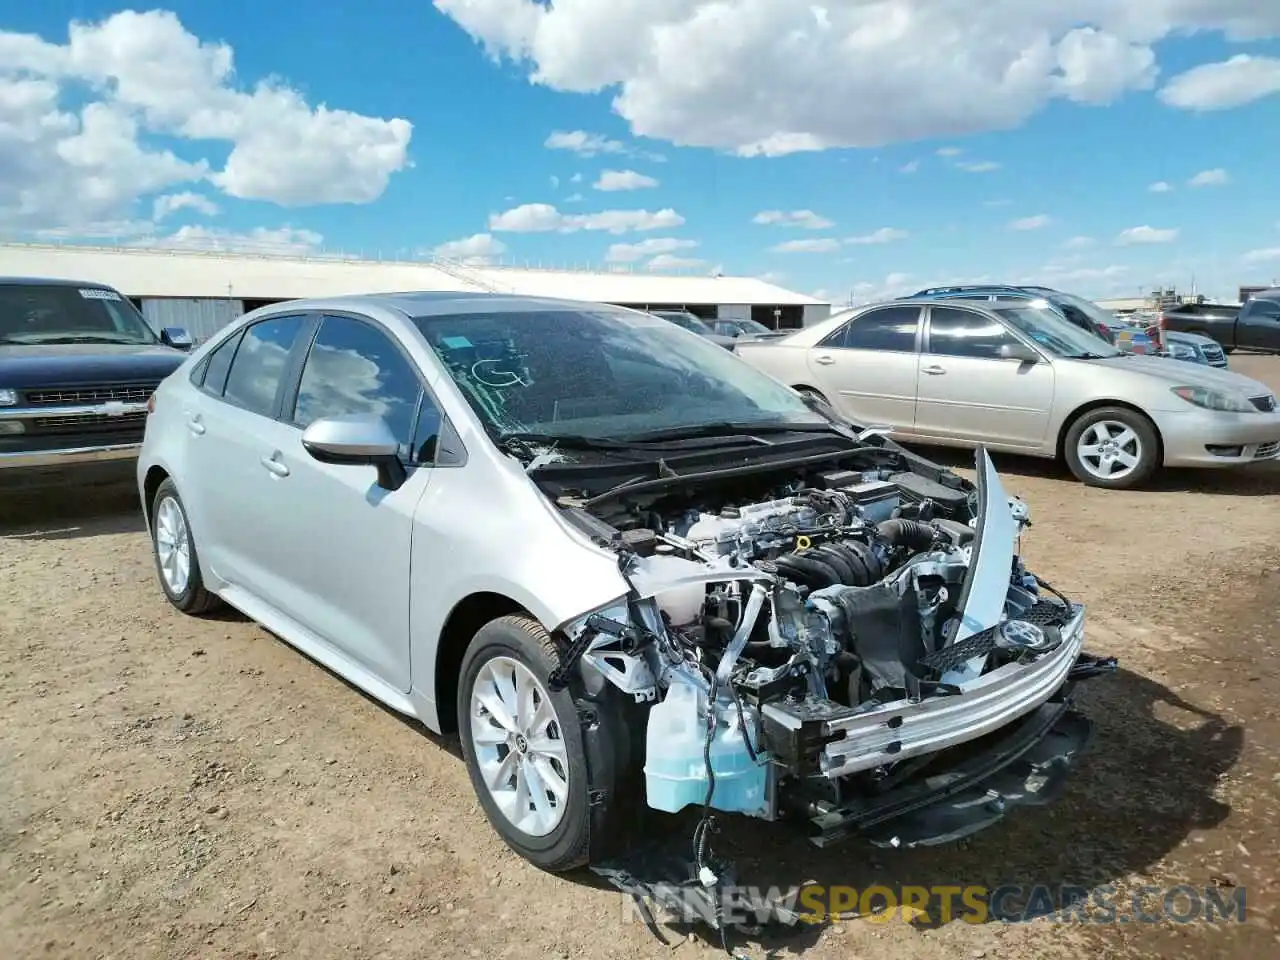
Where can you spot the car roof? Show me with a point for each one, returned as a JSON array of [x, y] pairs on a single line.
[[972, 288], [52, 282], [429, 303]]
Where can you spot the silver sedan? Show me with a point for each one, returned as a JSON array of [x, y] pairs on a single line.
[[632, 573], [1015, 376]]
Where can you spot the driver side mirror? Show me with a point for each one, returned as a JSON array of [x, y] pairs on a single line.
[[176, 337], [1018, 351], [357, 441]]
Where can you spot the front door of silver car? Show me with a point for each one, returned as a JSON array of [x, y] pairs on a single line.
[[343, 539], [979, 383]]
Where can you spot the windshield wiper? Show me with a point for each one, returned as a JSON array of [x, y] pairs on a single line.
[[84, 338], [725, 428], [1090, 356], [568, 441]]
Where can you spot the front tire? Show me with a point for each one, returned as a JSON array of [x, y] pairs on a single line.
[[174, 550], [1112, 447], [523, 744]]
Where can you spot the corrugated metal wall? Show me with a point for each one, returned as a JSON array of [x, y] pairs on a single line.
[[201, 318]]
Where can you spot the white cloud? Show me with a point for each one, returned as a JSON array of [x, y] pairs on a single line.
[[772, 276], [1066, 273], [893, 285], [583, 143], [998, 203], [555, 183], [1146, 234], [614, 180], [1078, 243], [1037, 222], [669, 261], [173, 202], [574, 198], [978, 166], [135, 77], [909, 167], [1160, 186], [586, 144], [883, 235], [821, 245], [805, 219], [282, 240], [1265, 255], [653, 246], [681, 70], [544, 218], [949, 151], [576, 178], [1209, 178], [478, 249], [1221, 86]]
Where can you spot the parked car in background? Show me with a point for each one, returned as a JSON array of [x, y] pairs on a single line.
[[751, 329], [554, 528], [78, 363], [1016, 376], [1253, 326], [1131, 337], [695, 324]]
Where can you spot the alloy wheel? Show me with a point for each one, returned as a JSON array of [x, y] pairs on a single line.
[[518, 746], [1109, 450], [173, 546]]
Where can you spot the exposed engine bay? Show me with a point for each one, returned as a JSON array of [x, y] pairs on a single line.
[[809, 647]]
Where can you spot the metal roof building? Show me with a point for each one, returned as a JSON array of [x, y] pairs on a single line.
[[201, 290]]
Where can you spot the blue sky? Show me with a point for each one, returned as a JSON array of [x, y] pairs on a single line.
[[852, 149]]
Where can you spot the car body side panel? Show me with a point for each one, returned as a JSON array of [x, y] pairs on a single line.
[[526, 550], [979, 400], [868, 386]]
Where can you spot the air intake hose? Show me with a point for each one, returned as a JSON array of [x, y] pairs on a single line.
[[911, 534]]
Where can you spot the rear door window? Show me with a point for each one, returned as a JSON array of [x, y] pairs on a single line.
[[886, 328], [254, 380]]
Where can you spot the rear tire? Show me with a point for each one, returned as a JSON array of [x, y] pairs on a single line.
[[523, 740], [1112, 447], [174, 548]]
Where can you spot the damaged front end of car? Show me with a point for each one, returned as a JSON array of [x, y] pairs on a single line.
[[864, 653]]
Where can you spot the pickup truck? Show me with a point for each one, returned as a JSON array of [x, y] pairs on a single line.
[[78, 364], [1254, 326]]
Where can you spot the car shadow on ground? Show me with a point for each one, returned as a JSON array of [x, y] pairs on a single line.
[[1254, 480], [1146, 783], [70, 513]]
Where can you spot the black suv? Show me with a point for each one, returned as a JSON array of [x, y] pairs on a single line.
[[78, 363]]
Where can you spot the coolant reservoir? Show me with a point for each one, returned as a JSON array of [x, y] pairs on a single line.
[[682, 602], [675, 769]]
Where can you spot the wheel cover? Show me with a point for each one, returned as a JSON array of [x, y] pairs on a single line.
[[1109, 450], [518, 745], [173, 545]]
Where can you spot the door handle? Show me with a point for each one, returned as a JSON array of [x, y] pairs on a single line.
[[933, 370], [824, 359], [195, 425], [274, 466]]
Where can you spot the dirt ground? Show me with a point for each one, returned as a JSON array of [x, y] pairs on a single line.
[[171, 787]]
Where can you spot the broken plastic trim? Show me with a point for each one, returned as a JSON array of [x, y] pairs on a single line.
[[904, 729]]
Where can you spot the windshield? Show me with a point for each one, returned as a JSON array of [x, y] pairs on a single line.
[[602, 373], [1055, 333], [686, 320], [1090, 309], [752, 326], [53, 313]]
